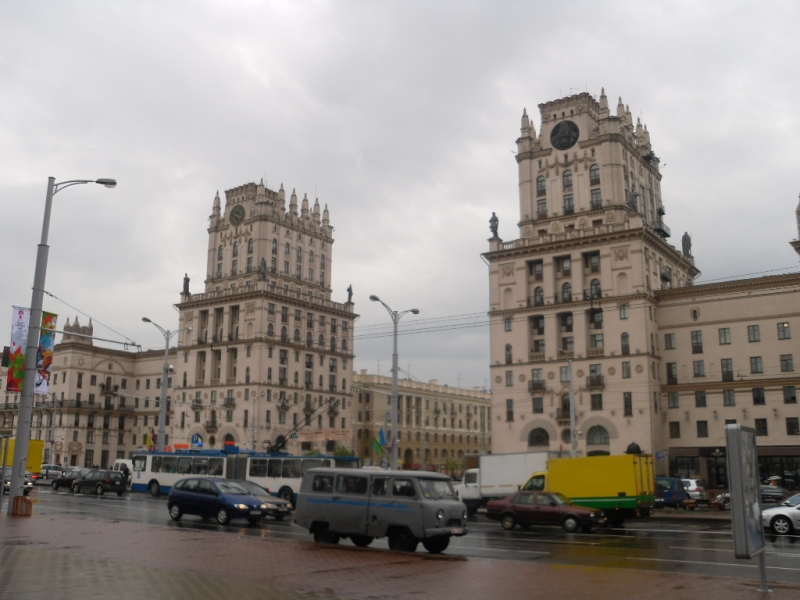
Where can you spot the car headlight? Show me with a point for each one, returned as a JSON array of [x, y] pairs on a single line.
[[240, 506], [439, 514], [269, 506], [464, 515]]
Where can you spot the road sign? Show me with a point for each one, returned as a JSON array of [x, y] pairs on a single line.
[[197, 439], [293, 436], [662, 455]]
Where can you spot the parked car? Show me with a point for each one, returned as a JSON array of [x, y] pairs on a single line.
[[220, 498], [277, 508], [100, 481], [695, 488], [543, 508], [671, 492], [28, 485], [770, 495], [783, 519], [68, 478], [51, 471]]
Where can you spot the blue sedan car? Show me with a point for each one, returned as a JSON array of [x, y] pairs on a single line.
[[218, 498]]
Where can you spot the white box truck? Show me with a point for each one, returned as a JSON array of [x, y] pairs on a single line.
[[498, 476]]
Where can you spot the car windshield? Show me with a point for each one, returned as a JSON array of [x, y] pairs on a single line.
[[561, 499], [253, 488], [793, 501], [436, 489], [230, 487]]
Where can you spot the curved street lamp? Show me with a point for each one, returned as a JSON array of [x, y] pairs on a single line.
[[396, 316], [162, 410], [32, 344]]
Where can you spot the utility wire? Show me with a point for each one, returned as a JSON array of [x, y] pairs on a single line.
[[90, 317]]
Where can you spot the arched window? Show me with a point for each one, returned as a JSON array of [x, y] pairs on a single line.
[[250, 245], [567, 179], [538, 437], [566, 292], [236, 248], [287, 250], [597, 435], [541, 185], [311, 256], [247, 375], [299, 255], [509, 354], [344, 344], [594, 174], [538, 296], [309, 339], [595, 289], [274, 246], [626, 344], [270, 330], [219, 253], [228, 439], [297, 335], [321, 341], [333, 343]]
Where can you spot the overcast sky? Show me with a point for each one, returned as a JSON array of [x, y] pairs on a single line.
[[401, 116]]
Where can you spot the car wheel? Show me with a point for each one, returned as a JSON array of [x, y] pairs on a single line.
[[76, 488], [326, 536], [286, 493], [362, 541], [120, 494], [508, 522], [55, 486], [100, 490], [437, 544], [155, 489], [781, 525], [223, 518], [570, 524], [403, 541], [175, 512]]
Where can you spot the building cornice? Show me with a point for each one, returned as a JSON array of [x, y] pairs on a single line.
[[709, 289]]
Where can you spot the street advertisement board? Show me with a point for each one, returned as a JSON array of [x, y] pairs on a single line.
[[318, 435], [20, 321]]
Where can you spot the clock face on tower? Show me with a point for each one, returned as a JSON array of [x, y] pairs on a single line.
[[237, 215], [564, 135]]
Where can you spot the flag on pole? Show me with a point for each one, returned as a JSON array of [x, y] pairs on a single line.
[[382, 437], [44, 357], [376, 447]]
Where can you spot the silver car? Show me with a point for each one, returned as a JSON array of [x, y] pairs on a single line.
[[407, 506], [27, 485], [784, 518]]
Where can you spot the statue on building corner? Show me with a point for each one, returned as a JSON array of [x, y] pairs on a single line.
[[493, 223], [186, 284], [262, 269], [350, 294], [686, 243]]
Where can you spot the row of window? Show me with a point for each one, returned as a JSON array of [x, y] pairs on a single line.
[[287, 252], [565, 295], [753, 335], [761, 427], [596, 436], [729, 397], [726, 365], [566, 180]]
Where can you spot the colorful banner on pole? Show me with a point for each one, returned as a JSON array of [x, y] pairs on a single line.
[[20, 321]]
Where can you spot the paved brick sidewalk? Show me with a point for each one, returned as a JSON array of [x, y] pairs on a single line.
[[66, 557]]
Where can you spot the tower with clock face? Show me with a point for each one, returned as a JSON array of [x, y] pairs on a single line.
[[576, 285], [270, 349]]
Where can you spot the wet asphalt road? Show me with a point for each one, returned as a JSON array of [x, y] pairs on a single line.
[[675, 545]]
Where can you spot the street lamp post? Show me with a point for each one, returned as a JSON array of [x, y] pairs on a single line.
[[32, 344], [162, 410], [396, 316]]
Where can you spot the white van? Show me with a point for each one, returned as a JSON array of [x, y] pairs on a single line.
[[125, 466]]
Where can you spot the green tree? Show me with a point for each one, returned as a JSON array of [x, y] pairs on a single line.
[[452, 465], [342, 451], [313, 452]]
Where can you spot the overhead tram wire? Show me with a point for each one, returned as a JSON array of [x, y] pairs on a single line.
[[90, 317]]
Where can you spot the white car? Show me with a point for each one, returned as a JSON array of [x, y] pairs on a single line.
[[695, 488], [784, 518]]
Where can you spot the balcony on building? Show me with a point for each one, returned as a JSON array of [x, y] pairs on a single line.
[[566, 354], [727, 376], [592, 294], [211, 426], [536, 385], [626, 349], [562, 414], [661, 229], [597, 205], [595, 352], [536, 356], [561, 298], [535, 300], [282, 381], [541, 215], [308, 407], [672, 379], [229, 402], [595, 381]]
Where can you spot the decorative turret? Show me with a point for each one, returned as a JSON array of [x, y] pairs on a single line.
[[282, 199], [603, 104], [620, 109], [261, 192], [316, 211], [628, 117], [304, 210], [85, 336], [293, 203], [646, 137], [525, 129], [326, 221], [796, 243], [639, 131]]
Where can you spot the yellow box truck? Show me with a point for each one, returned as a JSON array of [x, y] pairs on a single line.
[[622, 486], [35, 454]]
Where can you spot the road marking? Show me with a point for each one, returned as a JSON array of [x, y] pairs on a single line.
[[795, 554], [473, 548], [728, 533], [701, 562]]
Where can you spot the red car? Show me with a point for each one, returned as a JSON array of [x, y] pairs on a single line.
[[543, 508]]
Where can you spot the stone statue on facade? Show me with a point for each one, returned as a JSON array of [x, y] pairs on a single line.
[[686, 243], [186, 284], [493, 223], [350, 293], [262, 269]]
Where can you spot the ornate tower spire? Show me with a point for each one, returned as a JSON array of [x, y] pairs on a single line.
[[620, 109], [603, 103], [304, 210], [326, 221], [293, 203], [316, 211]]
